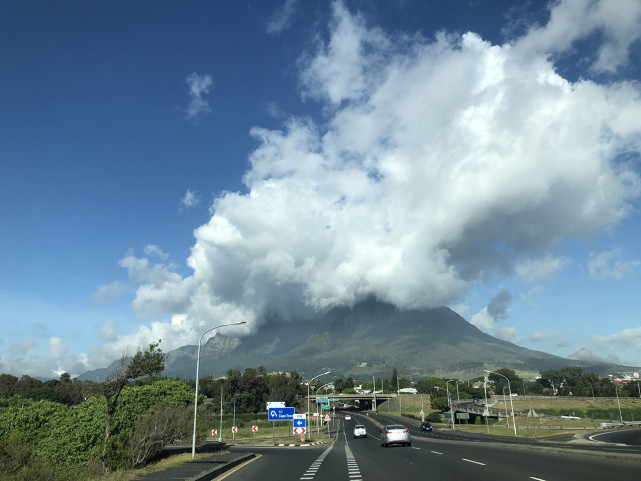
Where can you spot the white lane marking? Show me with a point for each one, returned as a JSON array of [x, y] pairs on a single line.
[[536, 479], [354, 473], [435, 452], [311, 471], [475, 462]]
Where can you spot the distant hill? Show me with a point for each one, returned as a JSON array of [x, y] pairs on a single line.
[[370, 338]]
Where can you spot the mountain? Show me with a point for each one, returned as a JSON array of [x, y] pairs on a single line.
[[370, 338]]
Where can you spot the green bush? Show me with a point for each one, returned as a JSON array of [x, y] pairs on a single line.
[[434, 417]]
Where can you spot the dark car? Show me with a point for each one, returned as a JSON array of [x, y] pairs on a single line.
[[426, 426]]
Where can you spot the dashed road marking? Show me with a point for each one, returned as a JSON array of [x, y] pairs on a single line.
[[435, 452], [474, 462], [352, 466], [313, 469]]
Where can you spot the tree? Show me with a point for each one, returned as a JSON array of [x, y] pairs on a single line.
[[395, 379], [440, 403], [338, 384], [144, 363]]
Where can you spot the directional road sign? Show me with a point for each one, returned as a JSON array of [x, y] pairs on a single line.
[[255, 429], [234, 429], [275, 404], [322, 400], [214, 432], [280, 414], [299, 421]]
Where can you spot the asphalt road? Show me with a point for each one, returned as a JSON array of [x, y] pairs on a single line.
[[429, 457], [630, 437]]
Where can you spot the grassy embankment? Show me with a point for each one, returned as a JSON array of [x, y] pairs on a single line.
[[529, 426]]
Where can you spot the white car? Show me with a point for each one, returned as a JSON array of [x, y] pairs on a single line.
[[348, 417], [360, 431]]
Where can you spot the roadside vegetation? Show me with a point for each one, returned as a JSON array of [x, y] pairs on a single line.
[[67, 429]]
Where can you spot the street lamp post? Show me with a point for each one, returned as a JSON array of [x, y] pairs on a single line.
[[449, 402], [308, 383], [616, 386], [510, 391], [193, 442]]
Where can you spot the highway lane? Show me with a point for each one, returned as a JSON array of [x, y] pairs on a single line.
[[349, 459], [630, 447]]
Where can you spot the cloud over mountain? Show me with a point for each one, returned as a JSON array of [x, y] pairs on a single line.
[[440, 162]]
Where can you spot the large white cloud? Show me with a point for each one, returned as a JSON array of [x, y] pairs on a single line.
[[439, 163]]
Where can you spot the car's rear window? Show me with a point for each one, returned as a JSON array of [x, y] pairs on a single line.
[[359, 426], [396, 426]]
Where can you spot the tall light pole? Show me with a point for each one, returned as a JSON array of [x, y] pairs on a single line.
[[193, 442], [449, 402], [308, 383], [510, 390], [616, 386]]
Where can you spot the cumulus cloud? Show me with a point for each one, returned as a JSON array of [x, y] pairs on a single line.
[[617, 23], [441, 162], [610, 265], [281, 17], [21, 358], [540, 269], [190, 199], [155, 251], [497, 310], [539, 336], [622, 345], [199, 86], [109, 292]]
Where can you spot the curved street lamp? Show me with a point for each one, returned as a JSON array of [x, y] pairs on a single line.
[[510, 390], [308, 383], [193, 441]]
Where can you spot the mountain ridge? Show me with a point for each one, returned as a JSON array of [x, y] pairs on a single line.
[[369, 338]]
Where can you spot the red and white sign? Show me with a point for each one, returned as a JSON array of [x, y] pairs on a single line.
[[214, 432], [234, 429], [300, 430], [326, 417], [255, 429]]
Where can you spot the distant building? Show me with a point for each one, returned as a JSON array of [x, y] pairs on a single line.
[[408, 390]]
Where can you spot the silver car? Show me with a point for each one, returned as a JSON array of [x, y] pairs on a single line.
[[395, 434]]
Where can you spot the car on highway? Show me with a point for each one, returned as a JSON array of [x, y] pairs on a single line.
[[348, 417], [395, 434], [360, 431], [426, 426]]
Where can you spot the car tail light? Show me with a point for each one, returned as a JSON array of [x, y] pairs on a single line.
[[406, 432], [388, 432]]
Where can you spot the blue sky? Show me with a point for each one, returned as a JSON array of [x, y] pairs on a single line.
[[169, 166]]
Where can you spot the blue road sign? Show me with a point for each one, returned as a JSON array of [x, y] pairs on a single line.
[[300, 423], [280, 414]]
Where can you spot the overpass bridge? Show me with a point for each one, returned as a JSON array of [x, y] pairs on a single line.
[[465, 410], [365, 401]]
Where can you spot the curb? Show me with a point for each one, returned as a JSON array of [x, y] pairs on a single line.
[[209, 475]]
